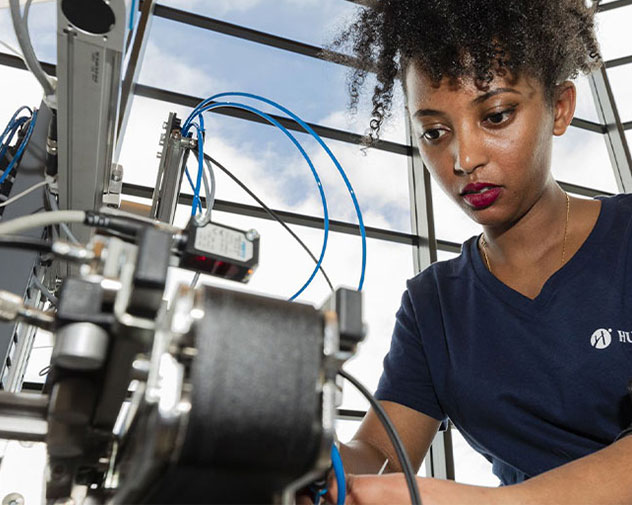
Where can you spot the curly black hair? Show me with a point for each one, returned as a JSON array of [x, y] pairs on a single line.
[[552, 40]]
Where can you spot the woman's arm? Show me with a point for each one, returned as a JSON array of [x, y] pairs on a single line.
[[371, 446], [602, 478]]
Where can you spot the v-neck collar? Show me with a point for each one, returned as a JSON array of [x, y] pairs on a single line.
[[556, 280]]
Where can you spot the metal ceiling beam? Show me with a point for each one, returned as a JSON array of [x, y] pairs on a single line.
[[216, 25], [616, 141], [323, 131], [617, 62], [603, 7]]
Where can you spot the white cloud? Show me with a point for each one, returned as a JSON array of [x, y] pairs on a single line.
[[166, 70]]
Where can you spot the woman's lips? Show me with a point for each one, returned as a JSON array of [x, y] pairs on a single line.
[[481, 195]]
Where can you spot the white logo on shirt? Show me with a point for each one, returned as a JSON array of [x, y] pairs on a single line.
[[601, 338]]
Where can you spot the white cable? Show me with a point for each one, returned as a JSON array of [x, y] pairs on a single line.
[[52, 200], [24, 193], [42, 219], [204, 219], [30, 58]]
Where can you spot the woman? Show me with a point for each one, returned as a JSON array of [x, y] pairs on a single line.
[[520, 341]]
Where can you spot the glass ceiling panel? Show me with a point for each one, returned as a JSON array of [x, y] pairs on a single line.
[[585, 108], [315, 22], [621, 82], [231, 64], [42, 27], [581, 157], [613, 32]]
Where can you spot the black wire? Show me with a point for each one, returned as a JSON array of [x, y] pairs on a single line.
[[392, 434], [271, 213], [29, 243]]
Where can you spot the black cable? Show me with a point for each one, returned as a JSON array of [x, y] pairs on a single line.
[[29, 243], [407, 468], [271, 213]]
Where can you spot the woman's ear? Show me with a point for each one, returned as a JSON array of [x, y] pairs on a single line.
[[565, 99]]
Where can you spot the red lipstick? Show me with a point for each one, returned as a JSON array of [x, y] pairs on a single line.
[[481, 194]]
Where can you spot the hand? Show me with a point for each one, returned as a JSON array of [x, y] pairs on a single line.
[[373, 489]]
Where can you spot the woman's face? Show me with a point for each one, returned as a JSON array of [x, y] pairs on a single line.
[[489, 150]]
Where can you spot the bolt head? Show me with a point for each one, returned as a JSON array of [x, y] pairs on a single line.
[[252, 235], [13, 499]]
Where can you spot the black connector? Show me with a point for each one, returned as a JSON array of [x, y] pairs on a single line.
[[347, 304], [51, 146], [82, 301], [220, 250], [150, 274], [119, 224]]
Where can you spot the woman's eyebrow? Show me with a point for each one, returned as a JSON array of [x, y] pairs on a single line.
[[428, 112], [479, 99], [494, 92]]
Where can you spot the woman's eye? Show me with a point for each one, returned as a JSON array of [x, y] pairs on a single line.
[[499, 117], [433, 134]]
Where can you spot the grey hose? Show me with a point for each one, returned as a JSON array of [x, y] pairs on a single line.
[[25, 14], [44, 290], [65, 228], [24, 223], [30, 58], [209, 190]]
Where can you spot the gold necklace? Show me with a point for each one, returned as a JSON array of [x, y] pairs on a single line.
[[568, 210]]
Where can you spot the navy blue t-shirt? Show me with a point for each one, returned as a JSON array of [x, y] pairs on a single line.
[[531, 384]]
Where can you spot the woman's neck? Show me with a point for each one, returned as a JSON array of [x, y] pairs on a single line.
[[539, 232]]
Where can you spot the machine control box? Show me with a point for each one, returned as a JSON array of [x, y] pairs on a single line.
[[221, 250]]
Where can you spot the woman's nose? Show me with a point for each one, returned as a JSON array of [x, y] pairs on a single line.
[[470, 153]]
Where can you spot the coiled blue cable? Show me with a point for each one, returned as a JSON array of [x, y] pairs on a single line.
[[132, 14], [339, 471], [198, 182], [309, 130], [11, 133], [217, 105], [12, 120], [20, 150]]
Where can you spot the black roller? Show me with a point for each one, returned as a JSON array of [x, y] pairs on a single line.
[[255, 422]]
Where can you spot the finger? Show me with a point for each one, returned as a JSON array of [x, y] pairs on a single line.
[[372, 489]]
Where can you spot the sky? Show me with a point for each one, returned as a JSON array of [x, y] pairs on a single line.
[[197, 62]]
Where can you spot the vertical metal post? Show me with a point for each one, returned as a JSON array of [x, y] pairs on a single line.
[[132, 71], [616, 141], [16, 340], [421, 211], [440, 457], [439, 460], [90, 50]]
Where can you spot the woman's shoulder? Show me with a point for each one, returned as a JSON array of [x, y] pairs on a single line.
[[457, 269], [616, 215], [619, 202]]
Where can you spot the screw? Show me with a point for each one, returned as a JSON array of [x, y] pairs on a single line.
[[117, 173], [13, 499], [189, 352], [252, 235], [158, 155]]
